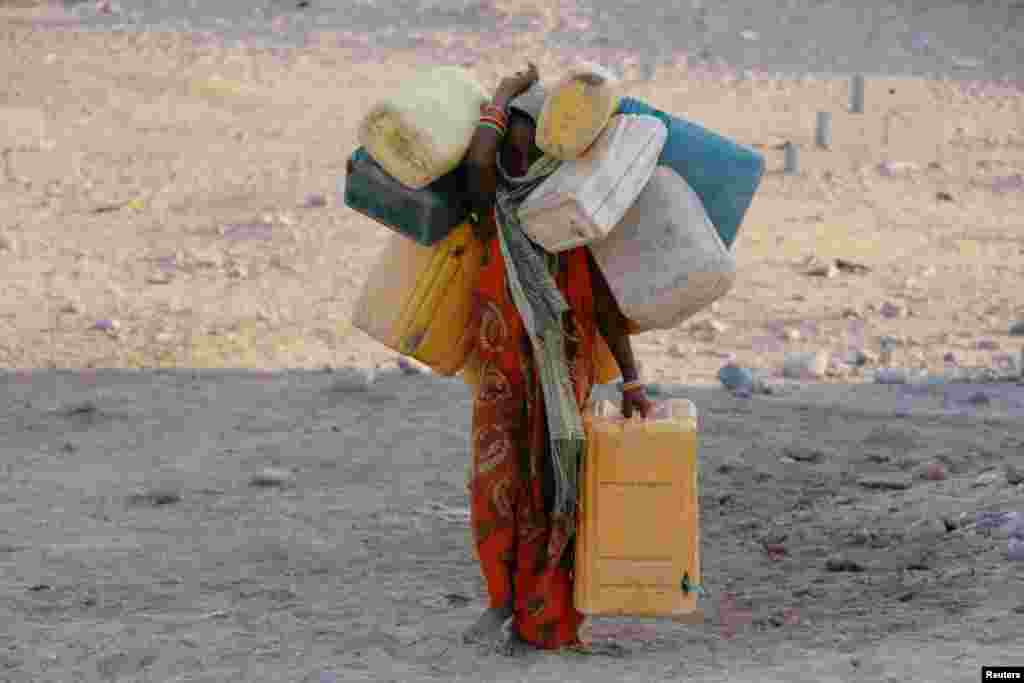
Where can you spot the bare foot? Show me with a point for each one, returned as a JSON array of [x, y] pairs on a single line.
[[488, 628], [515, 646]]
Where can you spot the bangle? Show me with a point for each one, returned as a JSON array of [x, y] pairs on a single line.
[[632, 386], [493, 126], [498, 114]]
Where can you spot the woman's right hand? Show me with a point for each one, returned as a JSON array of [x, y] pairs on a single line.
[[514, 86]]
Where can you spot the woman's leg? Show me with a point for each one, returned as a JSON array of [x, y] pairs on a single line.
[[497, 449]]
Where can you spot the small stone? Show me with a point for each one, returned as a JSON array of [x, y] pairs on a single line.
[[71, 307], [271, 477], [944, 196], [851, 313], [885, 482], [892, 376], [6, 244], [160, 278], [735, 378], [353, 379], [155, 498], [793, 334], [1014, 475], [827, 271], [891, 310], [111, 327], [809, 454], [986, 479], [411, 366], [1017, 329], [805, 365], [935, 471], [842, 564]]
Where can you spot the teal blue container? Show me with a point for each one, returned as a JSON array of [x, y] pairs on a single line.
[[725, 175], [426, 215]]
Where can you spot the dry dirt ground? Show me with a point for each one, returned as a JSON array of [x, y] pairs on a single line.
[[160, 182]]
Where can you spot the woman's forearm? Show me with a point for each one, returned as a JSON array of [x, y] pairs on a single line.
[[482, 165], [612, 324]]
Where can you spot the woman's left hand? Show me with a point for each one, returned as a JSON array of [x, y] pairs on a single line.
[[637, 400]]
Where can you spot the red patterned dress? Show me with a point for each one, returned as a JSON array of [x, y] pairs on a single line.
[[524, 550]]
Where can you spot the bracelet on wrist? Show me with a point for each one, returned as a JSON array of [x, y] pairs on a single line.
[[632, 386]]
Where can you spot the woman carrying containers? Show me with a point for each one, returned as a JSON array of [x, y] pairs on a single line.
[[538, 323]]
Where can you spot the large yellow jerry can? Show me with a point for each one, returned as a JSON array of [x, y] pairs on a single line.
[[418, 300], [638, 541]]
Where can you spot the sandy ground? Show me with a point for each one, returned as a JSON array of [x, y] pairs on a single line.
[[161, 182]]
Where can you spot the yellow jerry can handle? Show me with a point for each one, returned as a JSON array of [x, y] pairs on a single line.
[[689, 587]]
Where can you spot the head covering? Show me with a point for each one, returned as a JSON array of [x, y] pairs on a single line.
[[530, 102]]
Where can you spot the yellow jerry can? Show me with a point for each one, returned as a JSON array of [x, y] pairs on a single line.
[[418, 300], [638, 540]]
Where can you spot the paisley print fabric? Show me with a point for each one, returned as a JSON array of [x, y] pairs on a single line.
[[524, 550]]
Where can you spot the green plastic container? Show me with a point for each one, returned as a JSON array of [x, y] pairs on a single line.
[[426, 215]]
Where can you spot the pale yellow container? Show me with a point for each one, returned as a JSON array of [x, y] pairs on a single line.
[[422, 131], [585, 199], [665, 262], [576, 110], [419, 300], [638, 542]]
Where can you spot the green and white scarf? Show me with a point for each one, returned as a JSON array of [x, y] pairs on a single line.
[[542, 306]]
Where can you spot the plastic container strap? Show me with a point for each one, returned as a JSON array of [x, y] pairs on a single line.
[[690, 587]]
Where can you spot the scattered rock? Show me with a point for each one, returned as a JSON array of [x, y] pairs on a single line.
[[935, 471], [843, 564], [891, 376], [944, 196], [736, 378], [851, 267], [805, 365], [987, 345], [1014, 475], [411, 366], [111, 327], [6, 244], [827, 271], [885, 482], [809, 454], [160, 278], [793, 335], [709, 327], [1017, 329], [677, 351], [272, 477], [353, 379], [155, 498], [927, 530], [986, 479], [893, 168], [851, 312], [891, 310], [314, 201], [36, 588]]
